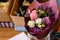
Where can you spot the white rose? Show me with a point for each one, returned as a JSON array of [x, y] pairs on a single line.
[[31, 23], [38, 21]]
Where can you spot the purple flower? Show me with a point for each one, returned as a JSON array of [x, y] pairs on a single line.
[[46, 20]]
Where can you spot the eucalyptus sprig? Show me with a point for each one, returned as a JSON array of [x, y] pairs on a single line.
[[22, 12]]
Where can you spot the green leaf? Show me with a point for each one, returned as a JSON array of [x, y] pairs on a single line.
[[22, 12]]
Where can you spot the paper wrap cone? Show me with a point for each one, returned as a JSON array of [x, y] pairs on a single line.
[[50, 3]]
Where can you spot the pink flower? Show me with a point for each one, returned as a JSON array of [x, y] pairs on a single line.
[[34, 15]]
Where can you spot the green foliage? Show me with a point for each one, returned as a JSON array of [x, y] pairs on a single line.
[[41, 13]]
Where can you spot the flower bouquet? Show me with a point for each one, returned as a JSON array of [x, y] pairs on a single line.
[[40, 17]]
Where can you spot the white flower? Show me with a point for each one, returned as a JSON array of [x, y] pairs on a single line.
[[31, 23], [43, 25], [40, 26], [41, 11], [38, 21]]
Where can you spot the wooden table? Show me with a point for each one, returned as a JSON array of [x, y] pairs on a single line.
[[6, 33]]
